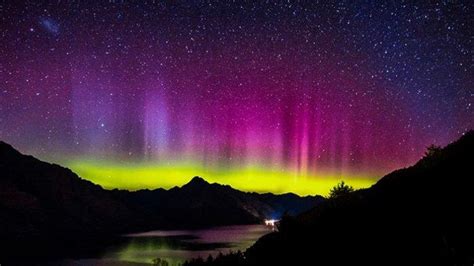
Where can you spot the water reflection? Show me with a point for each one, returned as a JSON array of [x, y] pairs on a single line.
[[178, 246]]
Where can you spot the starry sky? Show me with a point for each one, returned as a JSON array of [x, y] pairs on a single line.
[[263, 95]]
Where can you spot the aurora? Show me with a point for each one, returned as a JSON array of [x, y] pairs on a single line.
[[262, 96], [248, 178]]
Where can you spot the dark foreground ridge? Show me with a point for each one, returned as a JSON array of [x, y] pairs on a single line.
[[421, 215], [46, 209]]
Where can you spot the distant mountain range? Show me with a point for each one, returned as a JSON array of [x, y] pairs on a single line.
[[200, 204], [420, 215], [43, 204]]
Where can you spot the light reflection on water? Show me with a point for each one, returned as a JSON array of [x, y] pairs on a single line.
[[178, 246]]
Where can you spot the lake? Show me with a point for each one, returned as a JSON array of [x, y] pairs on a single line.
[[179, 246]]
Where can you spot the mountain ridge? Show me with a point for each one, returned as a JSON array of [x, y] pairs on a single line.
[[42, 202]]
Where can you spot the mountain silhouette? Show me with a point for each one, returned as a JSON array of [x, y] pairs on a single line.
[[45, 207], [201, 204], [197, 181], [420, 215]]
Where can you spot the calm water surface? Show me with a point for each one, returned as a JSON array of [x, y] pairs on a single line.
[[178, 246]]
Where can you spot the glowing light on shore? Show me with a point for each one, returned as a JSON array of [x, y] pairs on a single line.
[[271, 222]]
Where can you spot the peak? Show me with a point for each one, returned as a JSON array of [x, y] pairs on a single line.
[[198, 180]]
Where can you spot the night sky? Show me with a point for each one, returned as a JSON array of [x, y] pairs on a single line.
[[262, 95]]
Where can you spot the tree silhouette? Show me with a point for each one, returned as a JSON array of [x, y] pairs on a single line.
[[340, 189], [432, 150], [160, 262], [230, 259]]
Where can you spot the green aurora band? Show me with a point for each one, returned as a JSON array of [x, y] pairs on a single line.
[[141, 175]]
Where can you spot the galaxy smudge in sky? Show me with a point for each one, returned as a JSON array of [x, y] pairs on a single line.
[[263, 95]]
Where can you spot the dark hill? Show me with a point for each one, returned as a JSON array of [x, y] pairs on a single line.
[[421, 215], [44, 207], [200, 204]]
